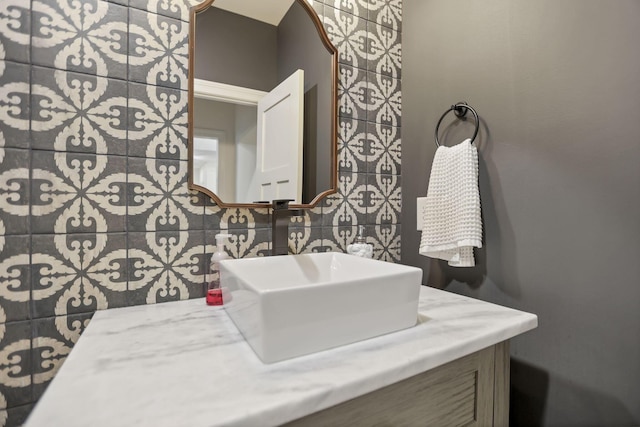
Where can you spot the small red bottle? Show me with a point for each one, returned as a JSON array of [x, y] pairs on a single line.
[[214, 293], [214, 297]]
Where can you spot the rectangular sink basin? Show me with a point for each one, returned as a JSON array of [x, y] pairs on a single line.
[[287, 306]]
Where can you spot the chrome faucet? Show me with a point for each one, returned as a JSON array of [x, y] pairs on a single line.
[[280, 225]]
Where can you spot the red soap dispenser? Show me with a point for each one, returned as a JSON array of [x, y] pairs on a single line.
[[214, 292]]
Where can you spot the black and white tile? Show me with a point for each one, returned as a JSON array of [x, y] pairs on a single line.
[[386, 242], [348, 33], [158, 49], [352, 92], [77, 193], [314, 216], [14, 191], [15, 364], [165, 266], [352, 145], [53, 339], [157, 122], [245, 242], [15, 276], [384, 99], [172, 9], [78, 112], [158, 198], [304, 239], [348, 207], [14, 104], [87, 37], [336, 239], [242, 218], [385, 199], [384, 154], [16, 33], [121, 2], [14, 416], [213, 214], [385, 12], [78, 273], [318, 7], [385, 50]]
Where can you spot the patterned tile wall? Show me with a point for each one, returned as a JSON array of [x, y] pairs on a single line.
[[94, 207]]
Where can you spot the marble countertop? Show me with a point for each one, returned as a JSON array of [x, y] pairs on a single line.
[[185, 364]]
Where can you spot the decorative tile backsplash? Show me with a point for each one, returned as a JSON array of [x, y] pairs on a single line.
[[94, 207]]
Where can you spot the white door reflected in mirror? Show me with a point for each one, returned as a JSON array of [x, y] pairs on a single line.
[[278, 170]]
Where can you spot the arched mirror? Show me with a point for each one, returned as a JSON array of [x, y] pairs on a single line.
[[262, 103]]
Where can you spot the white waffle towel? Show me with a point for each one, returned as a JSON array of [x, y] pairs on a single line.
[[452, 225]]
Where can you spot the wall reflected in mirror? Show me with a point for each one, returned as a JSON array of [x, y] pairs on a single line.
[[239, 60], [205, 160], [232, 129]]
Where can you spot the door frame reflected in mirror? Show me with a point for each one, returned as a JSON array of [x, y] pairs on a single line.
[[200, 89]]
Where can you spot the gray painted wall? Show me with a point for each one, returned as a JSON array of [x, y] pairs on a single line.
[[248, 51], [557, 86], [299, 46], [220, 116]]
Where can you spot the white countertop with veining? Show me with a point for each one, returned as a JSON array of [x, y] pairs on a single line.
[[185, 364]]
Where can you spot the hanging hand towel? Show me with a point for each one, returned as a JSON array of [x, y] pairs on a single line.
[[452, 225]]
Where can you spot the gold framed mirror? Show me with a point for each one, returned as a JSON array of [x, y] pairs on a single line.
[[263, 101]]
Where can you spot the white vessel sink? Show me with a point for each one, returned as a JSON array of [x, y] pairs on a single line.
[[290, 305]]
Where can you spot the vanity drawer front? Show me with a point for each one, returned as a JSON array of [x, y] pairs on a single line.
[[460, 393]]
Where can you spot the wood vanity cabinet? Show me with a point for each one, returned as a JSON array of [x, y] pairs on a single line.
[[470, 391]]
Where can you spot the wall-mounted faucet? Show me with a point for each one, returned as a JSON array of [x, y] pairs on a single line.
[[280, 225]]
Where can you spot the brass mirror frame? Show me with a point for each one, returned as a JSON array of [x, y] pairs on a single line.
[[334, 109]]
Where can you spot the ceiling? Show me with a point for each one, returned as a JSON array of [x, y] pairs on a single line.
[[269, 11]]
